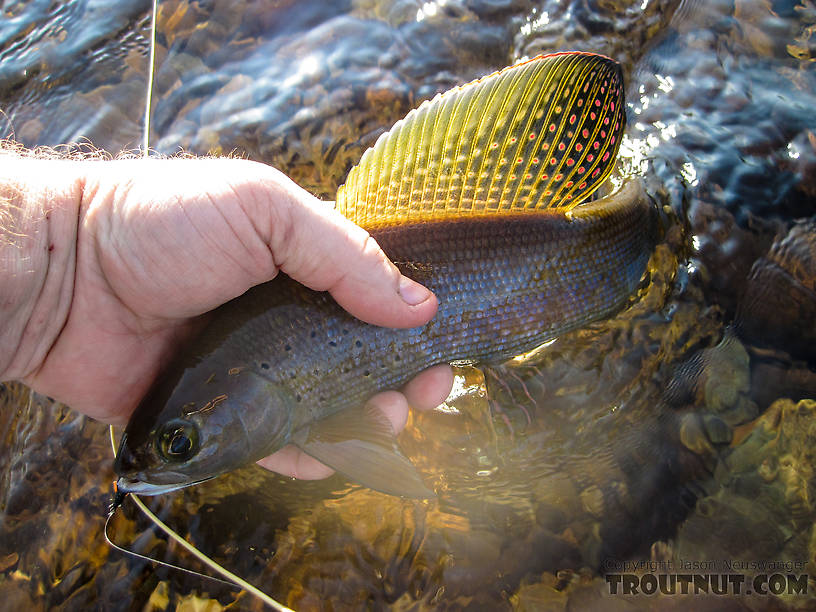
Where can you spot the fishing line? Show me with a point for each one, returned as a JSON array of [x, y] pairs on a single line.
[[151, 65], [231, 579], [164, 527]]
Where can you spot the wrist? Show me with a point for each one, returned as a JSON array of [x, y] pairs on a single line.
[[39, 211]]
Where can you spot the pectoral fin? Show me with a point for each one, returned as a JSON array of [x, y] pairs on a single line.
[[361, 444]]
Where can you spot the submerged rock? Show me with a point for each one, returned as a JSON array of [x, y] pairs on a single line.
[[763, 507], [718, 380], [778, 308]]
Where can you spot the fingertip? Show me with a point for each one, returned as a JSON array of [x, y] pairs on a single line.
[[394, 406], [430, 387], [379, 305], [417, 314], [425, 309], [413, 293]]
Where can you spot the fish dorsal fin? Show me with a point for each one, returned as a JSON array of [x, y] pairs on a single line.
[[540, 134]]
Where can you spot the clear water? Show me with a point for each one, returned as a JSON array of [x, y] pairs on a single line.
[[642, 439]]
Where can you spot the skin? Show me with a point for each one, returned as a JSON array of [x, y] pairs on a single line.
[[106, 266]]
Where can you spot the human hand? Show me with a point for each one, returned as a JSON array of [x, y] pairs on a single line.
[[160, 242]]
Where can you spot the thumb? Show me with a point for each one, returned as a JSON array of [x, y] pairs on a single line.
[[318, 247]]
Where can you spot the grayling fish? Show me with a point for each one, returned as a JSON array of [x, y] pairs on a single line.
[[475, 194]]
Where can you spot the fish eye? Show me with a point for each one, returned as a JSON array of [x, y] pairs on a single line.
[[177, 440]]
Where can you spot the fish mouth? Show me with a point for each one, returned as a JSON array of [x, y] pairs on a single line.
[[130, 485]]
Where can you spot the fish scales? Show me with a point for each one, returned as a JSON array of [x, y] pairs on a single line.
[[504, 286]]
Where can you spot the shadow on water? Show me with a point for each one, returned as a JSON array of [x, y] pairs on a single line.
[[678, 432]]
